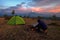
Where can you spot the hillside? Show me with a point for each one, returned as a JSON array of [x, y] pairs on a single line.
[[23, 32]]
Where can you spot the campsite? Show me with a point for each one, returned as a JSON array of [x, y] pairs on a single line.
[[29, 19], [22, 32]]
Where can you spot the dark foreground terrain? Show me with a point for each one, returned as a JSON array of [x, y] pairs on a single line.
[[22, 32]]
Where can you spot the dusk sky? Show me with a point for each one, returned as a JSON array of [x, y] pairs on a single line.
[[31, 5]]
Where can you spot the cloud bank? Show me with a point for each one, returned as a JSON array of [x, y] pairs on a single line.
[[51, 6]]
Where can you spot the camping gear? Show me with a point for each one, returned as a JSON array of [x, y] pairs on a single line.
[[16, 20]]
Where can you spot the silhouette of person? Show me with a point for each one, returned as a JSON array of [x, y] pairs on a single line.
[[41, 26]]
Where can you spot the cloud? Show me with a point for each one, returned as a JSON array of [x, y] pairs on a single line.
[[36, 6], [37, 9], [2, 7], [18, 8], [44, 2], [20, 5], [55, 9]]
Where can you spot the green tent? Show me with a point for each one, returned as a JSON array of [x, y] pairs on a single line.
[[16, 20]]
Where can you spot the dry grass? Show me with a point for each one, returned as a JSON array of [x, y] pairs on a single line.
[[22, 32]]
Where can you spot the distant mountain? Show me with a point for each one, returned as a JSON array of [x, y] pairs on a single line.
[[58, 14], [1, 12], [30, 14], [33, 14]]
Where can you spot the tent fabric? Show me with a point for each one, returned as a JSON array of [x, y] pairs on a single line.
[[16, 20]]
